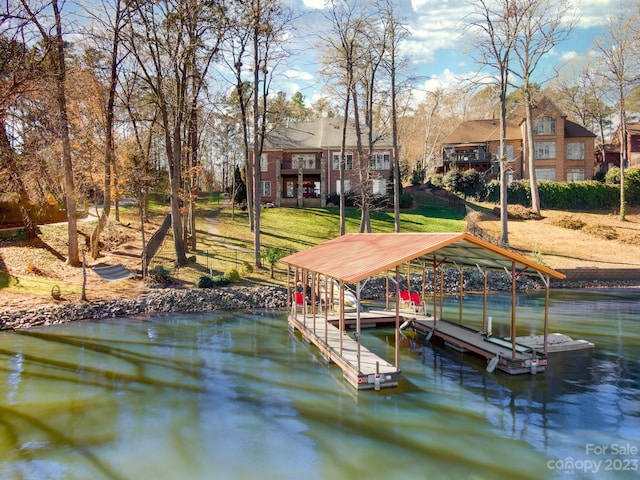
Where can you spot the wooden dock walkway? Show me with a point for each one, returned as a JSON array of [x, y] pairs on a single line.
[[363, 369], [465, 339]]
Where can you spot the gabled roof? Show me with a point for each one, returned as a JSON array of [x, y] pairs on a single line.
[[318, 134], [633, 128], [481, 131], [354, 257], [573, 130]]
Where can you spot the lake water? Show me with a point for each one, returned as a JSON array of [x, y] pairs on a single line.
[[236, 396]]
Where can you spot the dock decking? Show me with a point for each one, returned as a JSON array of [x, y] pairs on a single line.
[[364, 372], [466, 339]]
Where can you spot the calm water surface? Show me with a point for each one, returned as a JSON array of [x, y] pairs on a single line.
[[236, 396]]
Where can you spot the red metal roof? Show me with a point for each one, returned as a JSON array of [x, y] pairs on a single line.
[[354, 257]]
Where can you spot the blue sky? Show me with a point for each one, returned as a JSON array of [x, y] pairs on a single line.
[[435, 46]]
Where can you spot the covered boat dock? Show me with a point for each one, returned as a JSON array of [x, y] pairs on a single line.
[[325, 283]]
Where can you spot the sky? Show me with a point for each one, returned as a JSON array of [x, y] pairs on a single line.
[[439, 54]]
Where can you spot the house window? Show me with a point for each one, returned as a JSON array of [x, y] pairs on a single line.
[[347, 186], [379, 186], [546, 174], [265, 188], [380, 161], [545, 150], [544, 126], [348, 161], [575, 151], [307, 161], [509, 152], [290, 189], [575, 174], [264, 163]]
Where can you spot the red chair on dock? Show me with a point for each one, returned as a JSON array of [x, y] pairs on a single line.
[[410, 300], [405, 299], [298, 302]]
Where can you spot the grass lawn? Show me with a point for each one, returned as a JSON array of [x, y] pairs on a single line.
[[225, 241]]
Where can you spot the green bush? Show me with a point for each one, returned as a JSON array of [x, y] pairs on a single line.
[[612, 176], [205, 282], [221, 281], [406, 200], [247, 268], [589, 195], [160, 274], [232, 275], [436, 180], [632, 186]]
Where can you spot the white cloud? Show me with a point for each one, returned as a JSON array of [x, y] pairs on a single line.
[[299, 75], [314, 4]]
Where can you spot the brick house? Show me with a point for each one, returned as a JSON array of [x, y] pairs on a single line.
[[299, 165], [564, 150]]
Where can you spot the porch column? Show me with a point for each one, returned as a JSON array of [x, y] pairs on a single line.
[[300, 184], [323, 182], [278, 183]]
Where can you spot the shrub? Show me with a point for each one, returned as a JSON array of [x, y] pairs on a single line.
[[247, 268], [221, 281], [232, 275], [406, 200], [160, 274], [436, 180], [612, 176], [632, 185], [205, 282]]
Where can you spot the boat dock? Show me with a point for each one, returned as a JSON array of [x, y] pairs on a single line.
[[363, 369], [324, 280]]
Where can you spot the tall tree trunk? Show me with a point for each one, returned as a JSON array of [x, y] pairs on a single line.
[[504, 238], [73, 257], [174, 184], [623, 153], [108, 147], [257, 151], [363, 169], [531, 161]]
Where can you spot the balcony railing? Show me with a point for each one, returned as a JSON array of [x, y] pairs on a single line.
[[307, 165]]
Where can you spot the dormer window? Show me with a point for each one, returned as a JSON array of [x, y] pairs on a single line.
[[544, 126]]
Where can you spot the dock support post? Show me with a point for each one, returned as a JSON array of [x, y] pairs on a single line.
[[397, 332], [513, 310], [435, 292], [461, 294], [546, 312]]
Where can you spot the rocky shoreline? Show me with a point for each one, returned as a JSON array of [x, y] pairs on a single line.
[[169, 300]]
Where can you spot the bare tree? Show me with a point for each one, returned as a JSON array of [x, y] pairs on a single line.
[[494, 27], [111, 24], [173, 42], [581, 93], [396, 33], [619, 46], [46, 19], [543, 25], [343, 58]]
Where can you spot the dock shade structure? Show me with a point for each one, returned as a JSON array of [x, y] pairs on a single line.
[[320, 276]]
